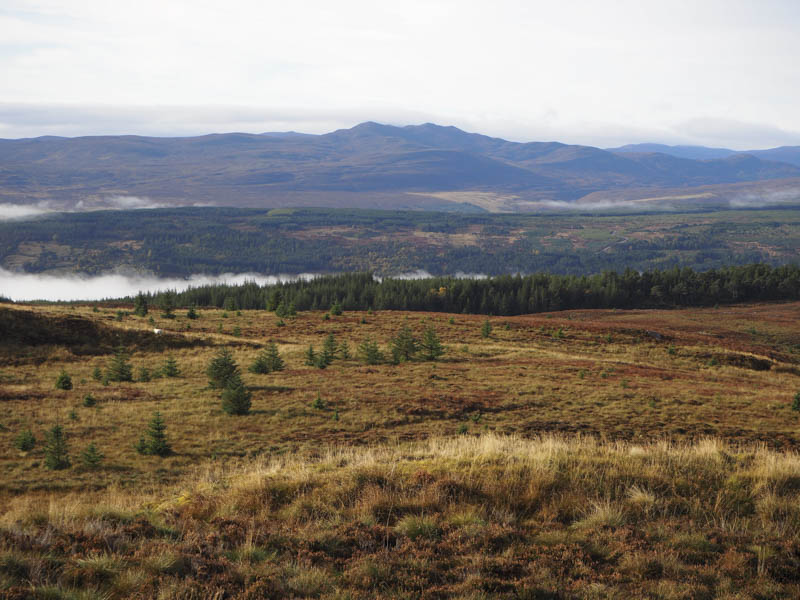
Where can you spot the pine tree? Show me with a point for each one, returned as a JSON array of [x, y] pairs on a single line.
[[144, 375], [170, 368], [229, 304], [344, 350], [97, 374], [404, 345], [119, 369], [336, 309], [63, 381], [431, 346], [140, 305], [91, 457], [56, 453], [191, 313], [236, 397], [154, 442], [369, 352], [221, 369]]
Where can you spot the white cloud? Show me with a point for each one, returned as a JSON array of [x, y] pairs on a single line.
[[579, 70]]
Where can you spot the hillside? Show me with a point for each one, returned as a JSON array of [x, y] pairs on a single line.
[[575, 454], [366, 166], [784, 154], [190, 241]]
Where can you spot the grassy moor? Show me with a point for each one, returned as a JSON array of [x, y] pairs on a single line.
[[573, 454]]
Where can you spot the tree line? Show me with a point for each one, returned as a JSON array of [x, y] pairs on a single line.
[[503, 295]]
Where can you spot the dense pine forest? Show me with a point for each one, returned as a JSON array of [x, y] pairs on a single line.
[[506, 294]]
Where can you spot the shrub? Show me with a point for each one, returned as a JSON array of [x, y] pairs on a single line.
[[89, 401], [91, 457], [154, 442], [56, 454], [63, 381], [25, 441], [221, 369], [236, 397], [318, 402]]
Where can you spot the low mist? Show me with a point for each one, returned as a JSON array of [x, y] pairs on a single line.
[[31, 286]]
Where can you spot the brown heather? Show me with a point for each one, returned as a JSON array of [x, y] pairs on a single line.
[[628, 454]]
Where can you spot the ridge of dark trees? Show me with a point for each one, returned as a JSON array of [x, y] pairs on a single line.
[[510, 294]]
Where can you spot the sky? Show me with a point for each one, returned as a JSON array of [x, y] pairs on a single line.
[[710, 72]]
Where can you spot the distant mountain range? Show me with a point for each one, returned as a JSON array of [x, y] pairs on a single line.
[[785, 154], [370, 165]]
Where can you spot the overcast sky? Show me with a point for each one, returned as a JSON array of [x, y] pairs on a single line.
[[712, 72]]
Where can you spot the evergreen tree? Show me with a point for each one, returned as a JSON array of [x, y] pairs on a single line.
[[97, 374], [25, 441], [431, 346], [236, 397], [329, 350], [344, 350], [191, 313], [336, 309], [140, 305], [63, 381], [221, 369], [154, 442], [168, 305], [268, 360], [170, 368], [369, 352], [486, 329], [144, 375], [311, 356], [274, 300], [404, 345], [229, 304], [119, 369], [56, 453], [91, 457]]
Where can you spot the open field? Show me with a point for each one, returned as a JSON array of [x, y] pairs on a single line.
[[373, 492]]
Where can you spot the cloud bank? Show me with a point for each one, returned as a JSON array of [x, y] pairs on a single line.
[[29, 286]]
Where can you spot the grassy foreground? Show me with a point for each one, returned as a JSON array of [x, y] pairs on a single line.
[[462, 517]]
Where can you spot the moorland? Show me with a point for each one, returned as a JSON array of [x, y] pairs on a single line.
[[571, 454]]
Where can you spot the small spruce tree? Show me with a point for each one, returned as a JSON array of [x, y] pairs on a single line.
[[56, 453], [154, 442], [236, 398], [170, 368], [140, 305], [311, 356], [336, 309], [25, 441], [404, 345], [268, 360], [91, 457], [63, 381], [221, 368], [144, 375], [329, 350], [344, 350], [431, 346], [119, 369], [369, 352], [486, 329], [168, 305], [191, 313], [97, 374]]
